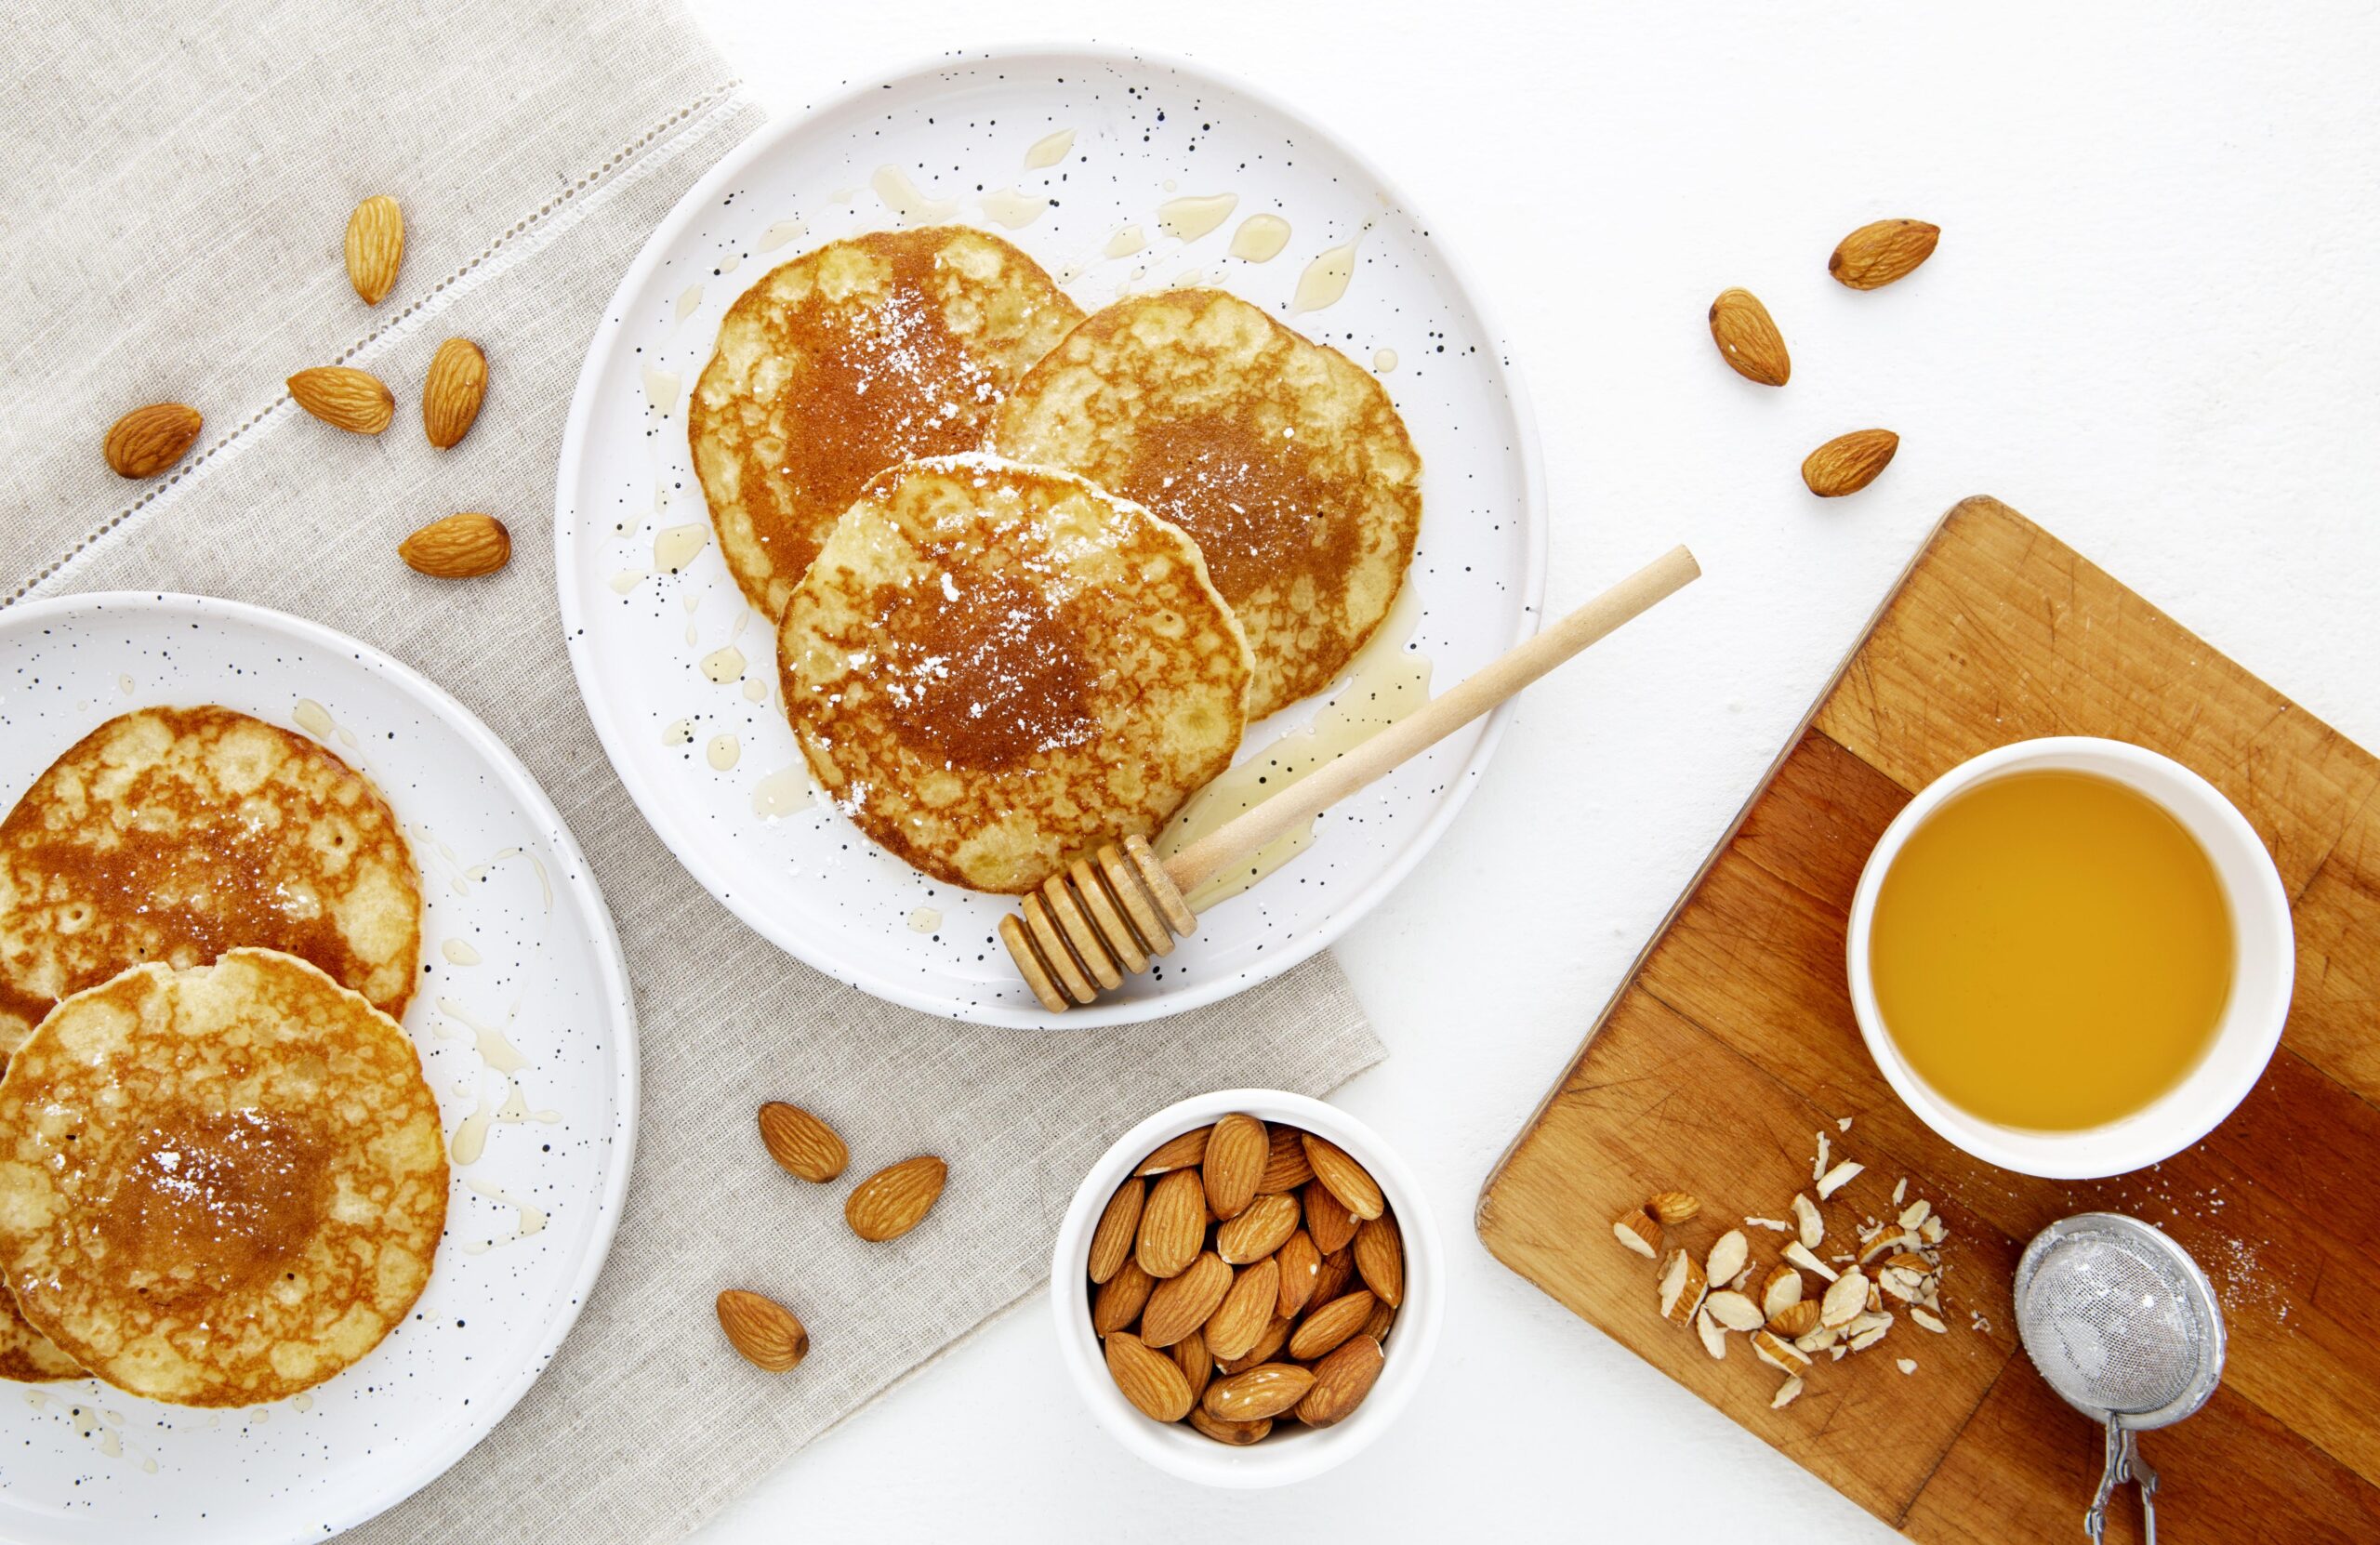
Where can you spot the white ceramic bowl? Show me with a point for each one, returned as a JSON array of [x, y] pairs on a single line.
[[2263, 967], [1292, 1453]]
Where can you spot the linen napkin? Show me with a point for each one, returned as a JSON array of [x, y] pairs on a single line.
[[178, 177]]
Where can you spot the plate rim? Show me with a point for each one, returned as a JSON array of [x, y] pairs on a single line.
[[1297, 949], [346, 1511]]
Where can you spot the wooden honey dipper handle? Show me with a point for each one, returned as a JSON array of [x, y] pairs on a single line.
[[1106, 914], [1473, 695]]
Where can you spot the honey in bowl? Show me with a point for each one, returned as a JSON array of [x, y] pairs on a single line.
[[2051, 950]]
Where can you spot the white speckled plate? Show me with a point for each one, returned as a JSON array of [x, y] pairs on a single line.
[[647, 627], [515, 939]]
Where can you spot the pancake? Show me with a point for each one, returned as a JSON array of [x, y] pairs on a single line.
[[220, 1185], [993, 667], [174, 834], [27, 1356], [1285, 460], [868, 351]]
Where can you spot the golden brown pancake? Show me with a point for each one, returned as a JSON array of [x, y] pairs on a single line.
[[27, 1356], [219, 1185], [174, 834], [868, 351], [1285, 461], [993, 667]]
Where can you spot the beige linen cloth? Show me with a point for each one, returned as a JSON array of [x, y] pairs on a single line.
[[177, 177]]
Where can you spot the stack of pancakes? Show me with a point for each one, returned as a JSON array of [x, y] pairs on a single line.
[[1033, 572], [222, 1175]]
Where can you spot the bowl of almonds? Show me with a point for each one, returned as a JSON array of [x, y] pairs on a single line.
[[1246, 1288]]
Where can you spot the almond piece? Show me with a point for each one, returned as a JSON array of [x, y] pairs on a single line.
[[1845, 465], [1801, 1255], [1264, 1391], [459, 547], [762, 1329], [1237, 1150], [1268, 1346], [1120, 1299], [1796, 1319], [1787, 1392], [1331, 1278], [148, 440], [1779, 1352], [1930, 1321], [1846, 1299], [1182, 1302], [1197, 1364], [1344, 1178], [1818, 1338], [452, 391], [1148, 1377], [1239, 1434], [1327, 1217], [1733, 1311], [1176, 1152], [1111, 1242], [1333, 1322], [1379, 1258], [1681, 1288], [804, 1146], [1638, 1232], [1907, 1364], [1340, 1381], [1806, 1221], [1173, 1223], [1780, 1289], [1300, 1266], [1673, 1206], [1916, 1213], [1265, 1225], [1285, 1164], [1748, 338], [1245, 1309], [1714, 1335], [1728, 1254], [1881, 251], [376, 245], [344, 397], [897, 1199]]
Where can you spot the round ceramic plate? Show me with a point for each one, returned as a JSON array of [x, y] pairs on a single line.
[[1118, 172], [526, 1031]]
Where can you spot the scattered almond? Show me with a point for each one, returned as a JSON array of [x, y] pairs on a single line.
[[1930, 1321], [1285, 1164], [1779, 1352], [376, 245], [1173, 1223], [148, 440], [1802, 1255], [1748, 338], [1673, 1206], [1245, 1309], [1735, 1311], [1682, 1286], [452, 391], [1344, 1178], [1809, 1224], [1111, 1242], [1713, 1334], [1379, 1258], [1907, 1364], [804, 1146], [1638, 1232], [458, 547], [1881, 251], [1184, 1301], [762, 1329], [1779, 1289], [1915, 1213], [1265, 1225], [1846, 1299], [1729, 1253], [1180, 1153], [1340, 1381], [344, 397], [1796, 1319], [1787, 1392], [1148, 1377], [1845, 465], [897, 1199], [1333, 1322], [1265, 1389]]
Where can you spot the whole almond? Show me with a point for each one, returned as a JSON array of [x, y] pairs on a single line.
[[376, 245], [1748, 338], [1879, 253], [1173, 1223], [897, 1199], [1340, 1381], [802, 1146], [1179, 1152], [762, 1329], [1325, 1327], [1332, 1275], [1673, 1206], [1185, 1300], [1300, 1266], [1327, 1217], [453, 390], [1848, 462], [1798, 1319], [344, 397], [1379, 1258], [1197, 1364], [459, 547], [147, 441], [1237, 1150], [1284, 1166], [1264, 1391], [1264, 1227], [1239, 1434], [1268, 1346], [1148, 1377], [1251, 1304], [1120, 1299], [1383, 1319], [1111, 1242], [1344, 1178]]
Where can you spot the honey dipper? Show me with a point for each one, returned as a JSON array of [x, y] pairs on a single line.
[[1102, 917]]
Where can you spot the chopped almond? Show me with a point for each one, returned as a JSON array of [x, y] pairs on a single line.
[[1638, 1232]]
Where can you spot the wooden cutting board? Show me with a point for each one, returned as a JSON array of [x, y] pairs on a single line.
[[1731, 1045]]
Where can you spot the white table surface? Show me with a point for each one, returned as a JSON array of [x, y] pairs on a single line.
[[2153, 326]]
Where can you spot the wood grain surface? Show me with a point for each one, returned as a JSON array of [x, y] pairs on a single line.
[[1731, 1045]]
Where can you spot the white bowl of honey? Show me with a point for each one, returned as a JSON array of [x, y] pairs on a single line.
[[2070, 957]]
